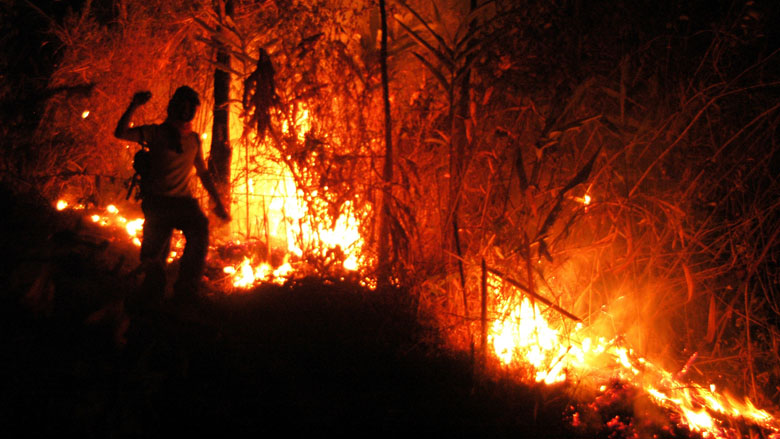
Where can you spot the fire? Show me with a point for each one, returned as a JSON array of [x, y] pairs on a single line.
[[525, 334], [110, 217], [248, 275], [268, 207], [586, 200], [523, 338], [85, 114], [133, 227]]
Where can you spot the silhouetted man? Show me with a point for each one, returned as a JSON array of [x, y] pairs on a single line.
[[167, 200]]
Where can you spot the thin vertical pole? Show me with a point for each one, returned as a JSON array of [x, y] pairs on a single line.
[[483, 315]]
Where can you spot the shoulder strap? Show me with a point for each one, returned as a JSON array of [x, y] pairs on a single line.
[[144, 144]]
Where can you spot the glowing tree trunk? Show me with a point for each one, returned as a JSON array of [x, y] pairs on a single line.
[[387, 177], [220, 156]]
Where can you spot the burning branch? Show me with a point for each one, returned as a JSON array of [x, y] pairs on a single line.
[[536, 296]]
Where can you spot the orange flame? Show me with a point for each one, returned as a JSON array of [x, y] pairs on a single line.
[[524, 337], [247, 275], [268, 206]]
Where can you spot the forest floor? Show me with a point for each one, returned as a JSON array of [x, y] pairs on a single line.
[[310, 357]]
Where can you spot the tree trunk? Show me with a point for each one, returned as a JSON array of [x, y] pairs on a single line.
[[383, 263], [460, 101], [221, 152]]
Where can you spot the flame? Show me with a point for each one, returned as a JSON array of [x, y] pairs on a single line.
[[269, 207], [524, 338], [248, 275], [134, 226], [111, 218], [585, 200]]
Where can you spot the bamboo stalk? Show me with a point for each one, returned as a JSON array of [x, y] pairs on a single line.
[[536, 296], [483, 314]]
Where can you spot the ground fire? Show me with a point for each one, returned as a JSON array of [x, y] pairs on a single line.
[[522, 340]]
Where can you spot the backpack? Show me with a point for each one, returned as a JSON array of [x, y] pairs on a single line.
[[142, 164]]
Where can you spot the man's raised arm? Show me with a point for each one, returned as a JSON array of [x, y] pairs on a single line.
[[123, 130]]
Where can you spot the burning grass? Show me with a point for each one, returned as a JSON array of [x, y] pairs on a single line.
[[533, 342]]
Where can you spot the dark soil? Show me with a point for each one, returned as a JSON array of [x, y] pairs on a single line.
[[313, 356]]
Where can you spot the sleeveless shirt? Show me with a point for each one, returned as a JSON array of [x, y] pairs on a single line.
[[171, 171]]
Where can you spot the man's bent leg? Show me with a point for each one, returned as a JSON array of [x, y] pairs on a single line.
[[195, 227], [154, 250]]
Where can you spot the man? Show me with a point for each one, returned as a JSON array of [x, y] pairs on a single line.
[[167, 200]]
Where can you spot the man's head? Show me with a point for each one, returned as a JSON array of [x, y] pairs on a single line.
[[183, 104]]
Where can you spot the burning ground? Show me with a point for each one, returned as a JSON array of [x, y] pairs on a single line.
[[308, 355]]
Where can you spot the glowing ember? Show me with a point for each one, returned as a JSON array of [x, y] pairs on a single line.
[[134, 226], [112, 218], [85, 114], [586, 199]]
